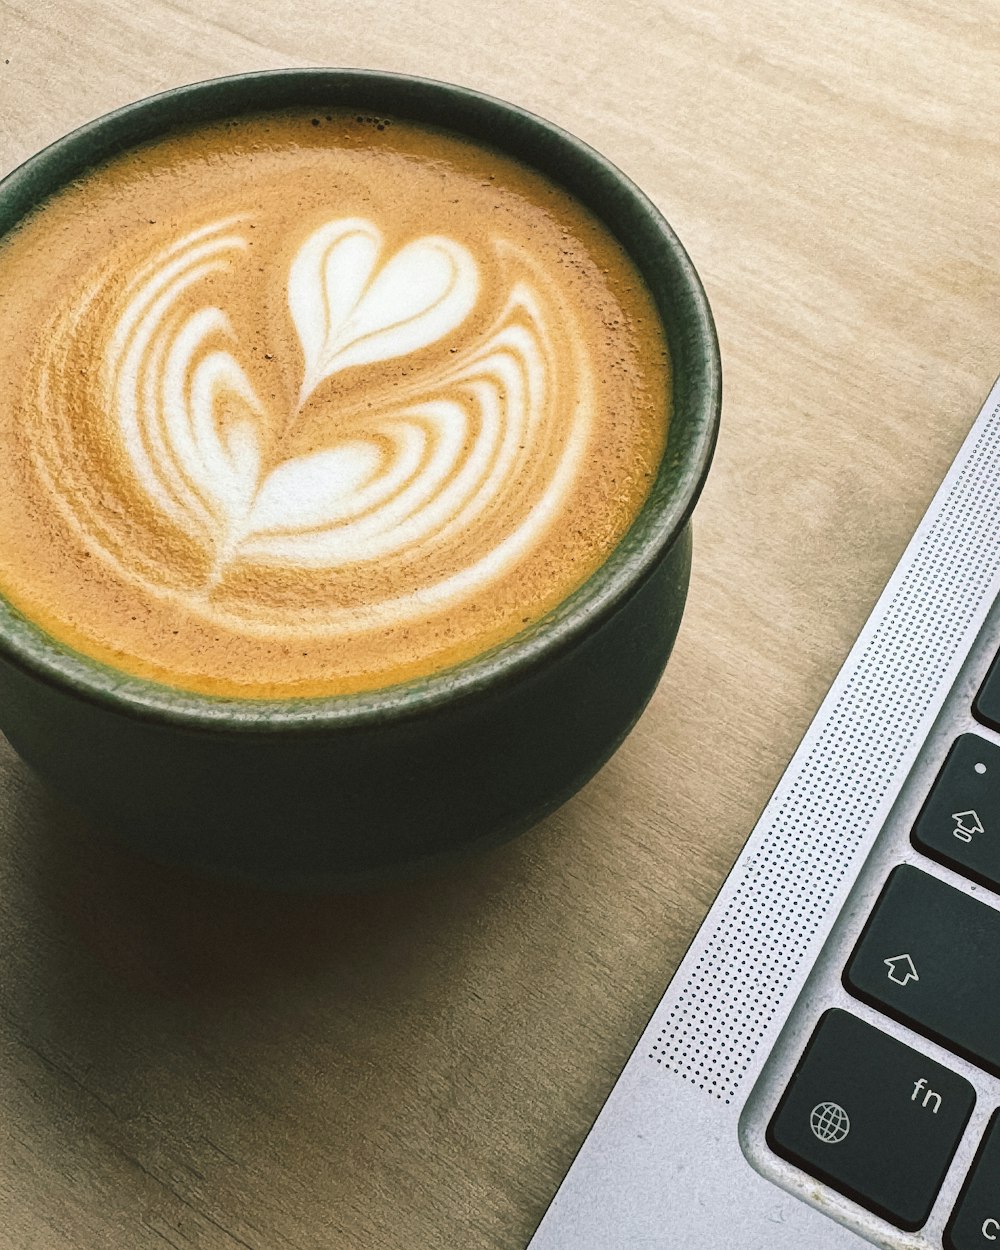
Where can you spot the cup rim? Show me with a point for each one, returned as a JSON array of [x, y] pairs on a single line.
[[659, 523]]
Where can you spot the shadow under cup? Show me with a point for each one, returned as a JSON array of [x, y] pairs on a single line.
[[346, 790]]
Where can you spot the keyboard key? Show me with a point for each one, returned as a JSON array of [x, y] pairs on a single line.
[[873, 1118], [975, 1223], [960, 822], [929, 956], [986, 706]]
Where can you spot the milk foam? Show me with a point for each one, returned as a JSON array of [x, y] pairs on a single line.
[[409, 480], [350, 310], [294, 406]]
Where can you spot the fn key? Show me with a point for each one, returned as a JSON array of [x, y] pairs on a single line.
[[873, 1118]]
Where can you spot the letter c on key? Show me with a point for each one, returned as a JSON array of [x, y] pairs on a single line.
[[990, 1229]]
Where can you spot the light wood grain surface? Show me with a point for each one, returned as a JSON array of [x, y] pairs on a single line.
[[190, 1066]]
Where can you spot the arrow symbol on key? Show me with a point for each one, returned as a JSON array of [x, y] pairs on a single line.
[[967, 825], [901, 969]]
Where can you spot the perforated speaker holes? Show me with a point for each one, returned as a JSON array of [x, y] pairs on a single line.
[[808, 846]]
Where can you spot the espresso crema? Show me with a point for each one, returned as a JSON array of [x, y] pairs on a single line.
[[308, 404]]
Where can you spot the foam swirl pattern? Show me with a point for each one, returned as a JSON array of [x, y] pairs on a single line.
[[460, 480], [291, 405]]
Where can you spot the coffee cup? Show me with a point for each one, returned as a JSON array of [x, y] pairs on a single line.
[[255, 765]]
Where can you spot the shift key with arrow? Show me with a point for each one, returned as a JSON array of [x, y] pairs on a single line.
[[929, 956]]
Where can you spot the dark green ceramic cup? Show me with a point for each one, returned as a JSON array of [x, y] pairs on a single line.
[[345, 791]]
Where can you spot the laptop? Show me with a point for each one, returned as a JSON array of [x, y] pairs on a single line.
[[822, 1071]]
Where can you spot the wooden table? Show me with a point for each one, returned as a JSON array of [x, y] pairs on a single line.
[[187, 1065]]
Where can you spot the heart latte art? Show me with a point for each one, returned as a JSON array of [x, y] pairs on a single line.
[[305, 440], [404, 480]]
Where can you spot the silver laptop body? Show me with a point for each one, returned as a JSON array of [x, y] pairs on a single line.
[[679, 1155]]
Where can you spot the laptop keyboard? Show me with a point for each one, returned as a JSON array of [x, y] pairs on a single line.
[[867, 1114], [833, 1031]]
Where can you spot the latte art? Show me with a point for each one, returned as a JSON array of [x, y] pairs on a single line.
[[350, 311], [345, 441], [480, 437]]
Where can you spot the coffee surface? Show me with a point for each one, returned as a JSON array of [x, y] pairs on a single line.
[[304, 404]]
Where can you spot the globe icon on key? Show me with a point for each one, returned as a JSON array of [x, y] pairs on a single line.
[[830, 1122]]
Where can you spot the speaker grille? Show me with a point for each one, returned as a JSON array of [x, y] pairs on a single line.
[[810, 842]]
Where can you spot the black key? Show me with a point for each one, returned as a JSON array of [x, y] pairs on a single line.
[[975, 1223], [930, 956], [960, 822], [986, 706], [873, 1118]]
